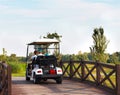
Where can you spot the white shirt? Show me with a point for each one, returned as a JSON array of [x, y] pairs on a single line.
[[40, 54], [34, 56]]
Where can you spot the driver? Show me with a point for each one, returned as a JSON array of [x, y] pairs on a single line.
[[35, 55], [33, 59]]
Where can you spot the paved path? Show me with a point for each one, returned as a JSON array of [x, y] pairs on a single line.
[[22, 87]]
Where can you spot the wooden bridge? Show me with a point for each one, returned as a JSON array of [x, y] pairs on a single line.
[[80, 78], [68, 87]]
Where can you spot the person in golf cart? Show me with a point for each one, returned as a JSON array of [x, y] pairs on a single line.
[[35, 55]]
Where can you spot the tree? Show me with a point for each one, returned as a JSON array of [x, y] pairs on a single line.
[[3, 57], [55, 36], [114, 58], [13, 58], [100, 45], [81, 55]]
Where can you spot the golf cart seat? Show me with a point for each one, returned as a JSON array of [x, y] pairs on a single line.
[[46, 60]]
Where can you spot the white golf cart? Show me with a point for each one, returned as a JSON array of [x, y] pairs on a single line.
[[45, 66]]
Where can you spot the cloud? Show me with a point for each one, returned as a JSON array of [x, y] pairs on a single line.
[[25, 12], [73, 19], [3, 7], [67, 9]]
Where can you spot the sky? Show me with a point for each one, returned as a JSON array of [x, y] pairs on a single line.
[[24, 21]]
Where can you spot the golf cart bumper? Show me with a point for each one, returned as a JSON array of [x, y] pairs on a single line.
[[48, 76]]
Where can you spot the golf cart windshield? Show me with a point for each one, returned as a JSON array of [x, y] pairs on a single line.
[[46, 46]]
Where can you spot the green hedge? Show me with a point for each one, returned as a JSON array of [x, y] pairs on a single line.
[[17, 67]]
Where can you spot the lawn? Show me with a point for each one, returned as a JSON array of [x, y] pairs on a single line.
[[22, 74]]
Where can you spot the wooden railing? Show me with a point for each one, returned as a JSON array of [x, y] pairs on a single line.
[[103, 75], [5, 79]]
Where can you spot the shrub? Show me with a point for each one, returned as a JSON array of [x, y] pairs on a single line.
[[17, 67]]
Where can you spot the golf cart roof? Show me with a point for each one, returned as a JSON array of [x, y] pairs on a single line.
[[44, 41]]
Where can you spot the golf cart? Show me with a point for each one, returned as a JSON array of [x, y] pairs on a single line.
[[44, 66]]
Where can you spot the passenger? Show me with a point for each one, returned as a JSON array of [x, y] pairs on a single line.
[[40, 53], [46, 54], [33, 58], [35, 55]]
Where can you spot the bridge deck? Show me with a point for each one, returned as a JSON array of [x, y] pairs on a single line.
[[22, 87]]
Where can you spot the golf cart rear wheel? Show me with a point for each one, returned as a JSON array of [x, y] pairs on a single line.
[[27, 78], [59, 80], [35, 79]]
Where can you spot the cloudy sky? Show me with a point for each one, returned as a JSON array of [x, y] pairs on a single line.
[[23, 21]]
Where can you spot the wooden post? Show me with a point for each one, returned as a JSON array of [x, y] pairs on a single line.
[[3, 79], [82, 70], [0, 77], [9, 80], [98, 76], [118, 79], [71, 68]]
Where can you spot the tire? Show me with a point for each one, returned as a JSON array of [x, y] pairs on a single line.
[[59, 80], [45, 79], [35, 79], [27, 78]]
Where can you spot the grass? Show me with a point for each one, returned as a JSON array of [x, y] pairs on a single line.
[[18, 69], [22, 74]]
